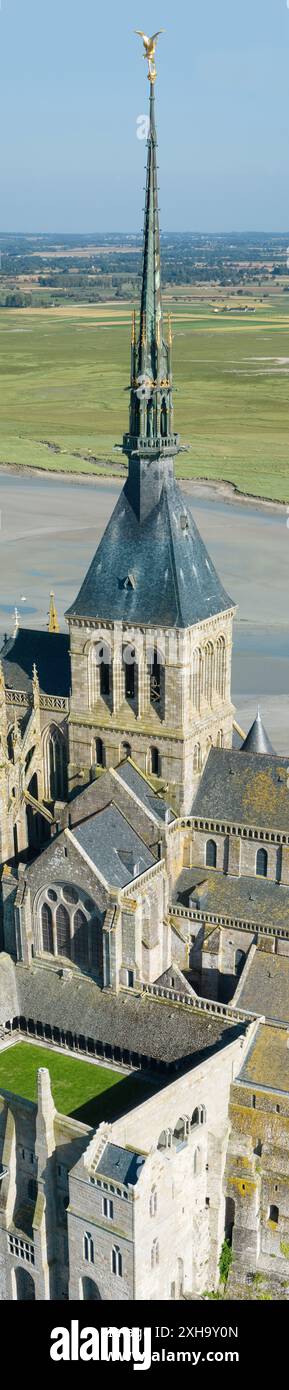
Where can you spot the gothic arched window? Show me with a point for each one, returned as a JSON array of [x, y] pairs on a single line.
[[116, 1261], [262, 863], [221, 667], [47, 933], [80, 939], [63, 932], [155, 762], [211, 854], [55, 757], [99, 753]]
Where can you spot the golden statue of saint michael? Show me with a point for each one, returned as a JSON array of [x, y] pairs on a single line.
[[149, 51]]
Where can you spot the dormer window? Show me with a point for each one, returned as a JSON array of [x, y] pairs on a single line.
[[129, 582]]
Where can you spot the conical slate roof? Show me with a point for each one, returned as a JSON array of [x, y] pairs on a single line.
[[257, 740], [154, 571]]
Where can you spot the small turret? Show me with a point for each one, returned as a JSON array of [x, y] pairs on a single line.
[[257, 740]]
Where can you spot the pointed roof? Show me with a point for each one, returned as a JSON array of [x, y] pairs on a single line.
[[150, 328], [257, 740], [175, 582]]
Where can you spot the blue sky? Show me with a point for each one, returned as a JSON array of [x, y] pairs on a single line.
[[73, 83]]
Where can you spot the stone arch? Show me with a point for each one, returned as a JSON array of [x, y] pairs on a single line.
[[181, 1129], [24, 1285], [89, 1291]]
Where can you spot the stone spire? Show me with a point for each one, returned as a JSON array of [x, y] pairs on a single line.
[[53, 625], [151, 401]]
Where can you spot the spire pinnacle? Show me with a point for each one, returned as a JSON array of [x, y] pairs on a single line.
[[151, 405], [53, 625]]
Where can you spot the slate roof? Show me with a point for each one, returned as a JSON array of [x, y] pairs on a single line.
[[120, 1164], [258, 900], [266, 987], [267, 1061], [113, 846], [247, 788], [132, 778], [49, 651], [257, 740], [175, 582], [154, 1028]]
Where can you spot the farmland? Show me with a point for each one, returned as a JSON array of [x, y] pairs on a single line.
[[64, 388]]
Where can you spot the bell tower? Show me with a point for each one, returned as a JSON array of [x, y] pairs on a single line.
[[151, 628]]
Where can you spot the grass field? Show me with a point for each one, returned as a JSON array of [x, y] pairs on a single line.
[[64, 384], [89, 1093]]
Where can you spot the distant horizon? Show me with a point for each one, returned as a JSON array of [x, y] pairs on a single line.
[[169, 231]]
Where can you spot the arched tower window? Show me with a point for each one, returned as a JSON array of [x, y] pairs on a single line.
[[155, 762], [155, 677], [197, 677], [130, 673], [208, 672], [116, 1261], [262, 863], [99, 753], [88, 1248], [164, 417], [221, 667], [100, 680], [125, 751], [211, 854]]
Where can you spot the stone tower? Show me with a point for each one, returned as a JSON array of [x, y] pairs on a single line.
[[151, 628]]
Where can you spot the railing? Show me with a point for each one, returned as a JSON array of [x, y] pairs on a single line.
[[23, 697], [208, 1006], [215, 919]]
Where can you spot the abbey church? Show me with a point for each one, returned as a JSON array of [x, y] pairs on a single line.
[[144, 921]]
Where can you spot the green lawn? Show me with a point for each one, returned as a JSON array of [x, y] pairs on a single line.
[[64, 382], [89, 1093]]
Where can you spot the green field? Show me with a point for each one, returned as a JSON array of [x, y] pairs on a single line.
[[90, 1093], [64, 383]]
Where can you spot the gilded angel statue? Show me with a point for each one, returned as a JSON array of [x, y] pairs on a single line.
[[149, 50]]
